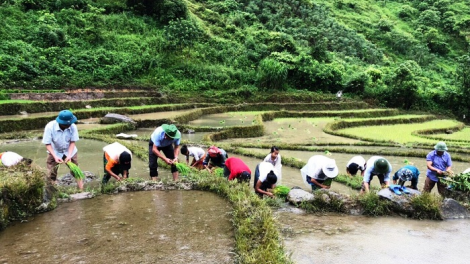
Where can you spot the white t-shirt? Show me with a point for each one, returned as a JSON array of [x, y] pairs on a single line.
[[359, 160], [277, 166], [264, 168], [10, 158], [114, 150], [196, 152]]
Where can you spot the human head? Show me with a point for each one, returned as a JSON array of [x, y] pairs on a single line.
[[213, 151], [274, 152], [330, 169], [405, 175], [125, 160], [381, 166], [352, 168], [184, 150], [271, 178], [171, 131], [245, 176], [66, 118], [440, 146]]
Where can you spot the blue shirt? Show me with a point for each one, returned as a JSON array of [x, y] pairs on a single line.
[[413, 169], [159, 140], [60, 139], [439, 162]]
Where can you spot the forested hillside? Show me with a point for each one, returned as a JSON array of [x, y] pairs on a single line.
[[404, 53]]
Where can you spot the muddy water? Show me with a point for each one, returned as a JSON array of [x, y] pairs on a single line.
[[141, 227], [90, 157], [396, 162], [29, 115], [335, 239]]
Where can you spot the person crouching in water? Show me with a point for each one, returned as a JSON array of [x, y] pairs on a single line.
[[117, 160], [10, 158], [215, 158], [319, 172], [198, 155], [265, 179], [235, 168]]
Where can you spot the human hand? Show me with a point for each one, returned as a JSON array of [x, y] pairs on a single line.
[[270, 194], [168, 161], [67, 159], [58, 160]]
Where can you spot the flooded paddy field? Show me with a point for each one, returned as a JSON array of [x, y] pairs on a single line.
[[332, 238], [142, 227]]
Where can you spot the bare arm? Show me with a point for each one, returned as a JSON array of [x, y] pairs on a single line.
[[258, 189], [319, 184]]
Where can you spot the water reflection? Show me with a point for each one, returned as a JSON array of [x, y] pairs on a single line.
[[142, 227]]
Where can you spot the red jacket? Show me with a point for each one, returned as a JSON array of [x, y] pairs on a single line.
[[236, 166]]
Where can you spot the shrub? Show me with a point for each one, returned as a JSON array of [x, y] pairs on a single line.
[[272, 74], [426, 206]]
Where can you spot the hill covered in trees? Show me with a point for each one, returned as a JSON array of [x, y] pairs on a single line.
[[404, 53]]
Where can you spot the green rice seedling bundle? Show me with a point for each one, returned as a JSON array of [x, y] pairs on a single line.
[[219, 172], [281, 191], [182, 168], [76, 171], [458, 182]]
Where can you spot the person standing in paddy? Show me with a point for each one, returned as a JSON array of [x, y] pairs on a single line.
[[59, 137], [235, 168], [438, 162], [117, 160], [166, 139], [275, 159]]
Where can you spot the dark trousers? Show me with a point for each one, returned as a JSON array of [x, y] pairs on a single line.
[[169, 152], [116, 170], [429, 184]]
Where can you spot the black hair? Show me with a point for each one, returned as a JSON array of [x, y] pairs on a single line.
[[184, 149], [353, 168], [271, 178], [274, 148]]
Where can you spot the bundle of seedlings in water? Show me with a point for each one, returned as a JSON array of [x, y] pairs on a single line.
[[281, 191], [182, 168], [76, 171]]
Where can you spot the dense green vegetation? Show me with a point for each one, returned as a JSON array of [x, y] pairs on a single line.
[[410, 54]]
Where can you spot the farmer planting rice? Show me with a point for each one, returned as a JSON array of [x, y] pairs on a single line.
[[166, 139], [439, 164], [235, 168], [355, 164], [198, 155], [319, 172], [59, 137], [117, 160], [215, 158], [275, 158], [10, 158], [407, 173], [265, 179], [376, 166]]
